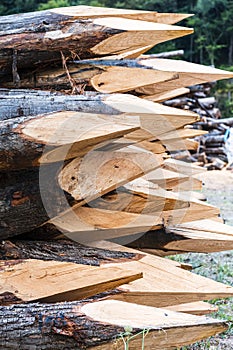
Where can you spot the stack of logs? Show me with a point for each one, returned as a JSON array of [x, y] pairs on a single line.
[[90, 199], [211, 152]]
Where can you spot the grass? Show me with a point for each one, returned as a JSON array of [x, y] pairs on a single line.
[[219, 267]]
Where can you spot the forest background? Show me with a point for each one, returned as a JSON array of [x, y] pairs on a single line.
[[211, 44]]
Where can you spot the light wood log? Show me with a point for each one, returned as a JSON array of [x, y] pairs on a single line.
[[197, 308], [163, 96], [51, 32], [31, 141], [102, 78], [162, 285], [98, 325], [189, 74]]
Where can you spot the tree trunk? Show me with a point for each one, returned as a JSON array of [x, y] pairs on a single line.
[[21, 206], [51, 32], [23, 103], [31, 141], [51, 250], [100, 324]]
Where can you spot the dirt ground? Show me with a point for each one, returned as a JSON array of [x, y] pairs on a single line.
[[218, 188]]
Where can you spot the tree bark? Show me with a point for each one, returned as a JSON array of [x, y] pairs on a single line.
[[51, 250], [49, 326], [32, 141], [23, 103], [21, 206], [50, 32]]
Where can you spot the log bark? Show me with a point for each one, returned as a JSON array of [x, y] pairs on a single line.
[[31, 141], [22, 36], [83, 324], [71, 252], [103, 75], [21, 206], [23, 103]]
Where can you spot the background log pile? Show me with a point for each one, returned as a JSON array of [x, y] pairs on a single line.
[[211, 151], [90, 199]]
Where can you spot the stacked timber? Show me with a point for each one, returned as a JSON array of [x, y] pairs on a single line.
[[89, 195], [211, 150]]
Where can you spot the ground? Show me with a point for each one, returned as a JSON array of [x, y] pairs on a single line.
[[218, 188]]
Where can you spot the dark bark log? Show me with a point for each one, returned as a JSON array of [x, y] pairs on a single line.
[[24, 103], [210, 139], [155, 240], [55, 137], [21, 206], [50, 326], [220, 150], [61, 250], [50, 32]]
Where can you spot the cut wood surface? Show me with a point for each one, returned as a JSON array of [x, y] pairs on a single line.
[[101, 78], [163, 96], [27, 139], [49, 281], [189, 74], [173, 181], [162, 285], [102, 172], [26, 35], [186, 168], [199, 241], [208, 225], [196, 308], [86, 225], [183, 239], [79, 326]]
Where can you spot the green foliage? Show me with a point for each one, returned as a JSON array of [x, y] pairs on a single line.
[[53, 4]]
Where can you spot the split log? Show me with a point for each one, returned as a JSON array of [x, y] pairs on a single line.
[[197, 308], [182, 239], [30, 141], [161, 97], [189, 74], [50, 281], [30, 203], [99, 76], [99, 325], [86, 225], [163, 284], [50, 32]]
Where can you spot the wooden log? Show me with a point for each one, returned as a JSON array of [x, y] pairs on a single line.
[[26, 204], [50, 281], [51, 251], [164, 284], [84, 37], [189, 74], [161, 97], [21, 205], [197, 308], [31, 141], [97, 325], [102, 78], [184, 240]]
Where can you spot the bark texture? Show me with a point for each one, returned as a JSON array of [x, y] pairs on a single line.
[[62, 250], [50, 326]]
